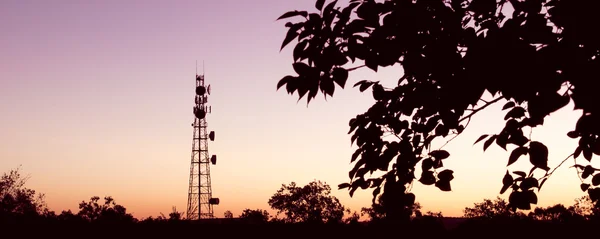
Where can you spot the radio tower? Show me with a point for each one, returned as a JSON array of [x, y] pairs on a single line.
[[200, 200]]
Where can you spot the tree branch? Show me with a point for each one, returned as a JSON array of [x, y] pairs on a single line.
[[480, 108], [551, 172], [455, 135], [355, 68]]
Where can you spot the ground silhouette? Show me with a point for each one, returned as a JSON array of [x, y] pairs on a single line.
[[537, 55]]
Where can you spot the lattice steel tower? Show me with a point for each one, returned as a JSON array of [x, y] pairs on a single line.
[[200, 200]]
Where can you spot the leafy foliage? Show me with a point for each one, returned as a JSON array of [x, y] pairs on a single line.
[[377, 212], [228, 214], [93, 211], [537, 55], [489, 209], [16, 199], [556, 213], [585, 207], [311, 203], [256, 215]]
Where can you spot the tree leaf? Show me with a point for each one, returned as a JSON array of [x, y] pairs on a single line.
[[502, 140], [340, 75], [594, 194], [443, 185], [427, 164], [515, 113], [319, 4], [327, 85], [529, 183], [293, 14], [343, 185], [520, 200], [446, 175], [507, 181], [371, 63], [330, 6], [516, 153], [355, 155], [301, 68], [584, 186], [520, 173], [284, 81], [439, 154], [532, 197], [596, 179], [352, 190], [538, 155], [577, 152], [438, 163], [587, 154], [596, 147], [427, 178], [587, 171], [542, 183], [359, 83], [489, 142], [480, 138], [291, 86], [299, 50], [573, 134], [509, 104], [364, 86], [291, 34]]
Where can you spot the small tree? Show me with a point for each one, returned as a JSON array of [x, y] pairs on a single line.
[[228, 214], [16, 199], [257, 215], [311, 203], [108, 212], [175, 215]]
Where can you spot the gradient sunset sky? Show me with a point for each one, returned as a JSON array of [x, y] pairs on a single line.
[[96, 99]]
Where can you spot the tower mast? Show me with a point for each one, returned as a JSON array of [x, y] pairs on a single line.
[[200, 200]]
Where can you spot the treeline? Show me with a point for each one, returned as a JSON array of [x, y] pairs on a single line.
[[297, 207]]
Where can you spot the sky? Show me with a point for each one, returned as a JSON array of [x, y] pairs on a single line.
[[96, 99]]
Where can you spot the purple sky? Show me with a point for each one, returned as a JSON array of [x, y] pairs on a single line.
[[97, 97]]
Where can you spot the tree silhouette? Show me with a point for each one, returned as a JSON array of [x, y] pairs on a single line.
[[16, 200], [377, 211], [585, 207], [537, 55], [311, 203], [93, 211], [70, 217], [175, 215], [228, 214], [258, 215], [353, 218], [556, 213], [489, 209]]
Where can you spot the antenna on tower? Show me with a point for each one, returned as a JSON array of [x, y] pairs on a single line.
[[196, 67]]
